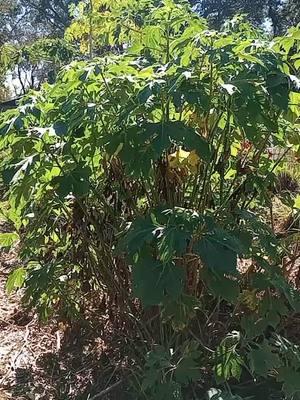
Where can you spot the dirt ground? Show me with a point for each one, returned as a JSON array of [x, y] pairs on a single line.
[[46, 362]]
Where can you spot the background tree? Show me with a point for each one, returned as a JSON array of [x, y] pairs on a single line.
[[22, 21], [8, 10], [217, 11], [291, 13], [52, 15], [31, 45], [31, 65], [280, 14]]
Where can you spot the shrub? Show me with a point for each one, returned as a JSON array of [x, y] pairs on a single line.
[[140, 174]]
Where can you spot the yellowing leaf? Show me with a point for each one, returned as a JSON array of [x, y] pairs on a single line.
[[234, 149], [177, 158], [184, 159], [297, 202], [193, 158], [230, 174]]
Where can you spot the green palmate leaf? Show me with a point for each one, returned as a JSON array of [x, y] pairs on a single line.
[[170, 230], [263, 360], [183, 218], [139, 146], [76, 182], [216, 256], [24, 167], [180, 311], [218, 251], [192, 140], [279, 282], [288, 350], [8, 239], [261, 281], [174, 237], [141, 232], [159, 357], [151, 379], [271, 309], [152, 281], [60, 128], [15, 280], [291, 381], [170, 390], [228, 364], [222, 286], [187, 370], [193, 93], [270, 312], [172, 241], [229, 240], [253, 325], [278, 88]]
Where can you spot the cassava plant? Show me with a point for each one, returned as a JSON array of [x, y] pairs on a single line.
[[145, 176]]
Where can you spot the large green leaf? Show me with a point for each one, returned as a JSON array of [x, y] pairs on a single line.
[[253, 325], [222, 286], [138, 146], [8, 239], [142, 231], [152, 281], [263, 359], [228, 364], [218, 252], [191, 140], [291, 381], [76, 182], [278, 88], [187, 371], [16, 280]]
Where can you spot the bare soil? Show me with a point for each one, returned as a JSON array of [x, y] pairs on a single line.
[[52, 362]]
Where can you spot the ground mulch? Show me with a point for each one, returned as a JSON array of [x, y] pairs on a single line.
[[49, 362]]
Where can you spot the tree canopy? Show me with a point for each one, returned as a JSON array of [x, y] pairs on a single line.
[[53, 15], [280, 14], [22, 21]]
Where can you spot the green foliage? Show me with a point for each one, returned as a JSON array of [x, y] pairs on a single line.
[[34, 63], [228, 363], [165, 373], [8, 239], [146, 175], [152, 280], [25, 21], [262, 360], [16, 280], [280, 14]]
